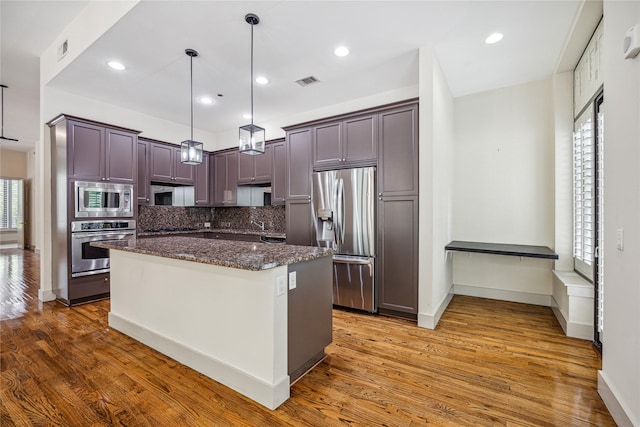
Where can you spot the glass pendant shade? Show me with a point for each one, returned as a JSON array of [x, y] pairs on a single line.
[[251, 139], [191, 152]]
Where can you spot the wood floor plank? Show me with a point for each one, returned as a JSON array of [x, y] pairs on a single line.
[[488, 363]]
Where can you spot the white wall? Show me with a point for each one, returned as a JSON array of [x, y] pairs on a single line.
[[435, 203], [619, 381], [273, 129], [562, 84], [504, 189]]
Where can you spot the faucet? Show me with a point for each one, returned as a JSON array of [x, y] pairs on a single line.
[[259, 224]]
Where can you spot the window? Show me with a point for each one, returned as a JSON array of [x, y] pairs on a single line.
[[583, 193], [10, 203]]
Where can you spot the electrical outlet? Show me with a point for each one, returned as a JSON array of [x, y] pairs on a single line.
[[620, 239], [282, 285], [292, 280], [207, 225]]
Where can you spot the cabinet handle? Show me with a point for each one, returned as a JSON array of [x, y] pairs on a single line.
[[344, 160], [380, 194], [102, 179], [108, 179], [106, 279], [147, 199]]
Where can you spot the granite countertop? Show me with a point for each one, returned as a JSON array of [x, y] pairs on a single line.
[[254, 232], [226, 253]]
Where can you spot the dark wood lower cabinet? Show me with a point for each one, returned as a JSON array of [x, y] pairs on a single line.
[[398, 255], [299, 223], [88, 288]]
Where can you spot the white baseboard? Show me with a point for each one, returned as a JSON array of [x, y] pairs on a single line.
[[269, 395], [46, 295], [503, 295], [615, 407], [430, 321], [572, 329]]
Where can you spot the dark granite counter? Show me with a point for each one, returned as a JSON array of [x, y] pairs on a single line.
[[253, 232], [226, 253]]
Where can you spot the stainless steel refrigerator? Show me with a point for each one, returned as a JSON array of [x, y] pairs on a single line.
[[343, 209]]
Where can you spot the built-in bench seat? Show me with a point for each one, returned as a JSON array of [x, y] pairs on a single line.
[[572, 303]]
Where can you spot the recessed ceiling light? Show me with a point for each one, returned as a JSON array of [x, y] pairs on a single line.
[[262, 80], [246, 116], [205, 100], [493, 38], [341, 51], [116, 65]]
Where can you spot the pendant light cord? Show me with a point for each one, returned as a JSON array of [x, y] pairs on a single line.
[[252, 74], [191, 97]]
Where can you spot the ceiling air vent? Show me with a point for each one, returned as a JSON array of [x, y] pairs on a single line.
[[306, 81]]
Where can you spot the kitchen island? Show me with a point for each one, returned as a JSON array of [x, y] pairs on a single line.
[[252, 316]]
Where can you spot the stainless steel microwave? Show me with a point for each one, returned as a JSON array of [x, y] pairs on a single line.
[[101, 199]]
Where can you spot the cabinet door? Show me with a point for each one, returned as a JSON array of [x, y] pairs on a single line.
[[161, 162], [299, 164], [398, 254], [232, 179], [327, 146], [121, 153], [279, 179], [360, 140], [263, 166], [220, 178], [183, 174], [86, 151], [143, 184], [398, 151], [202, 182], [299, 225], [246, 168]]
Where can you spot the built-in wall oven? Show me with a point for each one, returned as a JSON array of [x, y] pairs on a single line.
[[87, 260], [101, 199]]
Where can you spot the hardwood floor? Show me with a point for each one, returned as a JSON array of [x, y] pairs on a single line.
[[488, 363]]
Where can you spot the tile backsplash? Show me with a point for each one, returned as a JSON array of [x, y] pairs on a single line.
[[150, 217], [239, 218]]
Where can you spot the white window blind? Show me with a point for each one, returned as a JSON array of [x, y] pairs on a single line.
[[10, 205], [600, 183], [583, 186]]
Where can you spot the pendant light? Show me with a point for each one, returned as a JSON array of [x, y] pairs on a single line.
[[252, 137], [190, 150], [2, 123]]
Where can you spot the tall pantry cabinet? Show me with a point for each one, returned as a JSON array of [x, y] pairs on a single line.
[[386, 137]]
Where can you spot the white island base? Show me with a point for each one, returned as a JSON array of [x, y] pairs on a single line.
[[229, 324]]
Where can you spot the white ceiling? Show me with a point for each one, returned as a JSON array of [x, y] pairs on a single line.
[[294, 39]]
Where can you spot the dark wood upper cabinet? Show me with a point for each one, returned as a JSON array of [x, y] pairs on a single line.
[[121, 153], [101, 153], [144, 183], [360, 140], [398, 151], [279, 173], [346, 143], [165, 165], [202, 183], [255, 169], [327, 145], [160, 162], [225, 166], [298, 146]]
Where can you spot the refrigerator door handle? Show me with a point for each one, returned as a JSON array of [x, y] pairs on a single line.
[[351, 260], [341, 206], [336, 214], [337, 259]]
